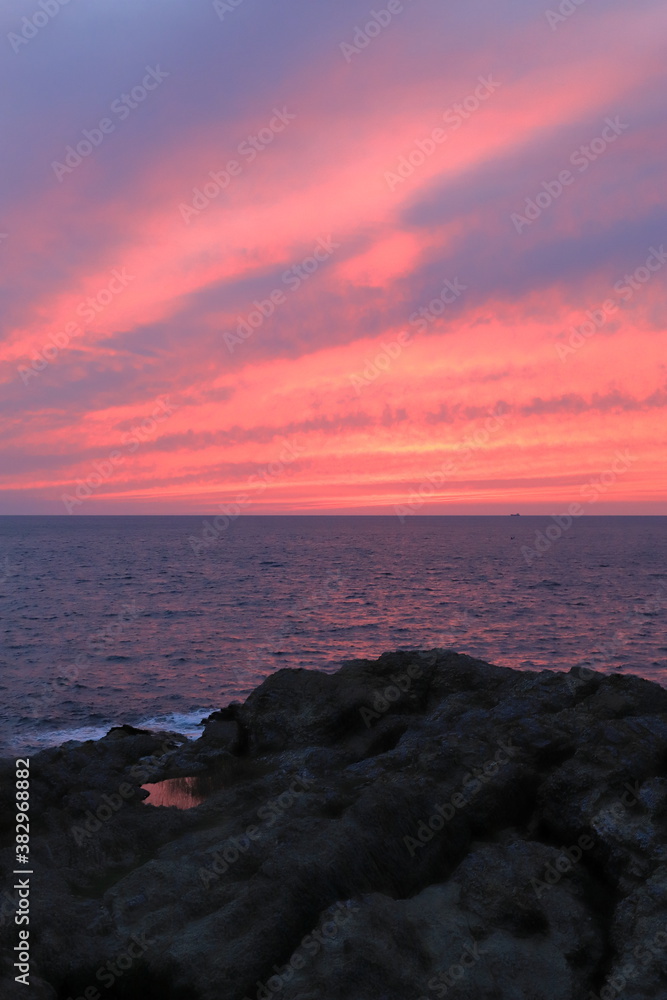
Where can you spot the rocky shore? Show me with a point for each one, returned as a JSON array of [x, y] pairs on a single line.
[[424, 825]]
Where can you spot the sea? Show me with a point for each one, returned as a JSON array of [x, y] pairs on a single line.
[[156, 621]]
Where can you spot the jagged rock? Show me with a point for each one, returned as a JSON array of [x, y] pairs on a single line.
[[225, 735], [422, 825]]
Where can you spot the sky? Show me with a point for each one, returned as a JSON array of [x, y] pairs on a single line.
[[332, 258]]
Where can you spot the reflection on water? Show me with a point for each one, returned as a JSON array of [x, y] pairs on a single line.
[[180, 792], [184, 793], [205, 628]]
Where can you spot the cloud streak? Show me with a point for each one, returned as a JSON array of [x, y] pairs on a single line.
[[206, 166]]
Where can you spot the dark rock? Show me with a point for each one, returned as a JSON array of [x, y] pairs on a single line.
[[422, 825], [117, 731], [226, 735]]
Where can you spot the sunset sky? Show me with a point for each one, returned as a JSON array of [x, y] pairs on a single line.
[[452, 216]]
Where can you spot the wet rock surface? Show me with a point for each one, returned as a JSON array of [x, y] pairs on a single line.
[[420, 826]]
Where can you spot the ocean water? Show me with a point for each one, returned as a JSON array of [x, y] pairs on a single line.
[[107, 620]]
